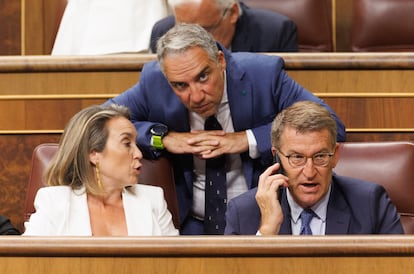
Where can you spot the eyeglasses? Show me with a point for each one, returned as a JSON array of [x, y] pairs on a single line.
[[212, 28], [319, 159]]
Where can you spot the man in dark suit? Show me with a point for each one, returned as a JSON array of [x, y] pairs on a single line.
[[233, 24], [6, 228], [196, 78], [300, 194]]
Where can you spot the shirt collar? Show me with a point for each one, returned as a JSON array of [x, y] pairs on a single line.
[[320, 208]]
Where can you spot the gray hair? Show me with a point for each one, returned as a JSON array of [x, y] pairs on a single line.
[[184, 36], [221, 4], [304, 116]]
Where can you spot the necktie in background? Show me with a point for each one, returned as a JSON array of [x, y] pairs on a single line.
[[215, 189], [306, 217]]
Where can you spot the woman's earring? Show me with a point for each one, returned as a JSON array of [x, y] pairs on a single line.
[[98, 176]]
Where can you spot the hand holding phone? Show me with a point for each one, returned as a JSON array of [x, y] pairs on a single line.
[[269, 198]]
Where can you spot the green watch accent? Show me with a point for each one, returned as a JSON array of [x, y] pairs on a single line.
[[158, 132], [157, 142]]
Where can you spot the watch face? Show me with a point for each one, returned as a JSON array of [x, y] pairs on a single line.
[[159, 130]]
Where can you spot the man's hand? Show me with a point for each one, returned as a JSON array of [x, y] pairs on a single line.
[[268, 200], [206, 144]]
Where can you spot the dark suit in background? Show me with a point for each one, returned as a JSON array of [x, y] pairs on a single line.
[[354, 207], [256, 31], [6, 228]]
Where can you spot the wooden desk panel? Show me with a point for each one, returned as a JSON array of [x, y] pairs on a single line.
[[374, 112], [51, 113], [222, 254], [24, 84], [44, 114], [318, 72], [207, 265], [379, 84], [363, 81]]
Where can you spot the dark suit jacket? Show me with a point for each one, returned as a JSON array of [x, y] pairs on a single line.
[[6, 228], [256, 31], [257, 87], [354, 207]]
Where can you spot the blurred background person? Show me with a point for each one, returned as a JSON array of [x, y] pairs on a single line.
[[90, 27], [6, 228], [236, 26]]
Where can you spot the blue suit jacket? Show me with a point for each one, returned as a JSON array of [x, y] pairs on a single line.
[[354, 207], [257, 87], [256, 31]]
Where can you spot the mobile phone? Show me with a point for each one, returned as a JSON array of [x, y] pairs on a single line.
[[279, 171], [277, 160]]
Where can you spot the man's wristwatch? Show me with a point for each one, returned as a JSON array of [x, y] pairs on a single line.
[[158, 131]]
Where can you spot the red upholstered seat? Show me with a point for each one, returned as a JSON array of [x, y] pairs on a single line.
[[383, 25], [390, 164], [313, 19]]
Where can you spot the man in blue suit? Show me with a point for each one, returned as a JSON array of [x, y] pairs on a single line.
[[302, 184], [196, 78], [234, 25]]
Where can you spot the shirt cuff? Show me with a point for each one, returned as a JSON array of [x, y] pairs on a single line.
[[253, 151]]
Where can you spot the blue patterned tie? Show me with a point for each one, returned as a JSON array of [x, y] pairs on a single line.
[[306, 217], [215, 188]]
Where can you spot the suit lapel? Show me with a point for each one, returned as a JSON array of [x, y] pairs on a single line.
[[286, 227], [338, 215], [79, 211], [240, 98], [240, 95], [138, 212]]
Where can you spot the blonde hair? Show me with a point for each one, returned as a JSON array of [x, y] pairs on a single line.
[[85, 132], [221, 4]]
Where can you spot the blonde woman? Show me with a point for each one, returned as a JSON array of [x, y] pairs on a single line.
[[92, 180]]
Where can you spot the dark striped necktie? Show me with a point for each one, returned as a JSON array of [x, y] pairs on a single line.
[[215, 188]]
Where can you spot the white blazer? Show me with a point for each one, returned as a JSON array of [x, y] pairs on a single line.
[[61, 211]]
